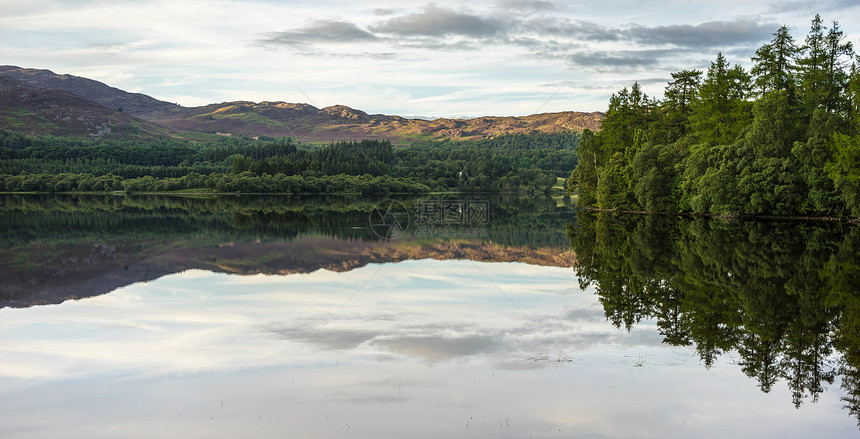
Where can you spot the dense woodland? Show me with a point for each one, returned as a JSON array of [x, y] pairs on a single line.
[[780, 139], [269, 165]]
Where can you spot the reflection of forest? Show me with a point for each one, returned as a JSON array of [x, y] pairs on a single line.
[[54, 247], [533, 221], [785, 295]]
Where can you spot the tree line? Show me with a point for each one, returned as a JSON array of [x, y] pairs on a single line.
[[241, 164], [779, 139]]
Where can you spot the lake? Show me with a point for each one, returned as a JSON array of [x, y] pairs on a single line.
[[439, 316]]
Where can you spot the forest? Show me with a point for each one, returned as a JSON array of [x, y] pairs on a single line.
[[507, 163], [780, 139]]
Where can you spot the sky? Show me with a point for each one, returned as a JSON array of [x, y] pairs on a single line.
[[410, 58]]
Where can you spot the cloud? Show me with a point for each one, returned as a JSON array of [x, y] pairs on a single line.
[[795, 6], [787, 6], [705, 35], [527, 5], [321, 31], [384, 11], [356, 55], [434, 45], [435, 21], [529, 29], [581, 44], [625, 60], [576, 29]]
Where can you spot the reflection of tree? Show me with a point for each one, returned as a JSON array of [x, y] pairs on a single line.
[[783, 295], [842, 274], [512, 221]]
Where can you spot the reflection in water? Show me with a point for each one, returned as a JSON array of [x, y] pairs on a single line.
[[784, 296], [266, 316], [425, 348], [54, 248]]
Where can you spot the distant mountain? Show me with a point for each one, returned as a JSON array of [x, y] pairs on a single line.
[[340, 122], [35, 111], [102, 109], [11, 84], [134, 103]]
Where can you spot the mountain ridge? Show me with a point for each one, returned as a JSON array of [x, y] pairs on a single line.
[[267, 118], [39, 111]]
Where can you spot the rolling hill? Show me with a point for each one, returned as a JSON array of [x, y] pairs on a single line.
[[41, 102], [135, 103], [34, 111]]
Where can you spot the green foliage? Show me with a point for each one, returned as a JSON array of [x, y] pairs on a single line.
[[505, 163], [586, 177], [514, 162], [628, 111], [845, 170], [717, 148], [775, 126], [657, 181], [722, 110], [823, 67], [680, 94], [775, 64], [47, 219]]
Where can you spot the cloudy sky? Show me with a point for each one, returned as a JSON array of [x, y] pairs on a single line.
[[412, 58]]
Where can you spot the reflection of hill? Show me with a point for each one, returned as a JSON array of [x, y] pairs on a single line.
[[53, 274], [54, 248]]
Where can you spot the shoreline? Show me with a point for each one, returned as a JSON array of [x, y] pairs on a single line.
[[730, 217]]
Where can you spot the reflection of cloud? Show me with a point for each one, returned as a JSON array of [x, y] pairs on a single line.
[[429, 310], [366, 399], [437, 348], [584, 315], [335, 339]]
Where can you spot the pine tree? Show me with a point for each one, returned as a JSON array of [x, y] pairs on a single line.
[[722, 110], [814, 77], [775, 68], [679, 96]]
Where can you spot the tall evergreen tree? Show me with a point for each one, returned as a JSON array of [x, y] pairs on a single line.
[[722, 111], [839, 54], [775, 68], [812, 66], [627, 112], [677, 106]]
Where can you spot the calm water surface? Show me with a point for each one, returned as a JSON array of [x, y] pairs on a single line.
[[207, 318]]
